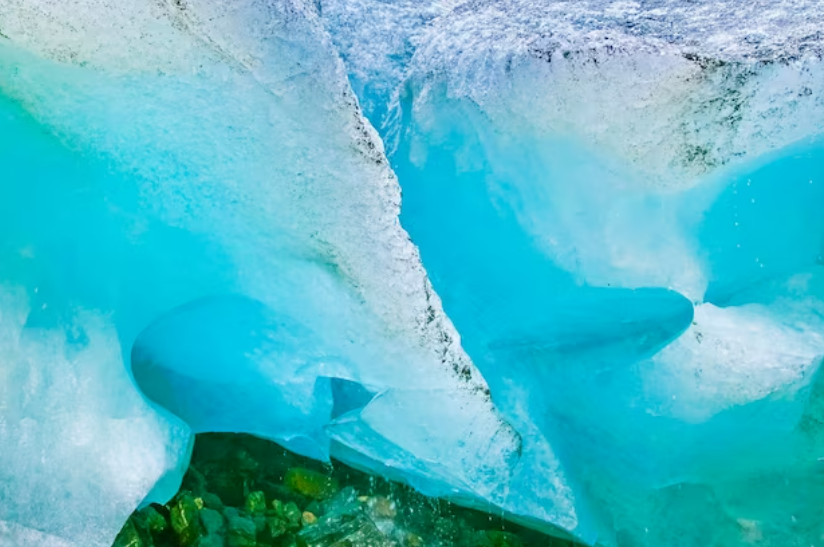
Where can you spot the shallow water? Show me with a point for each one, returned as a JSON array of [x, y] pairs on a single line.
[[241, 478]]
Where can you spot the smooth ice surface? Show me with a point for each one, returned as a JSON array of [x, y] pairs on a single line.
[[618, 203]]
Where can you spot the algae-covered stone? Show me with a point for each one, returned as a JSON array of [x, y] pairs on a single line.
[[500, 538], [275, 527], [212, 521], [474, 538], [293, 515], [288, 512], [129, 536], [153, 520], [194, 481], [245, 462], [240, 529], [381, 507], [315, 507], [185, 517], [255, 502], [308, 518], [293, 540], [279, 491], [293, 518], [212, 501], [311, 483], [210, 541]]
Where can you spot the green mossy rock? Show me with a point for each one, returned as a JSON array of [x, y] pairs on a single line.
[[154, 521], [130, 536], [311, 483], [184, 515], [194, 481], [275, 527], [256, 503], [500, 538], [290, 513], [240, 530], [210, 541], [222, 503], [293, 540], [212, 521], [212, 501]]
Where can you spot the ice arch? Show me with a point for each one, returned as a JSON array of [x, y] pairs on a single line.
[[180, 161]]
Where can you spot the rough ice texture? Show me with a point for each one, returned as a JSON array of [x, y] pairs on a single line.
[[563, 164], [169, 165], [677, 88], [618, 202]]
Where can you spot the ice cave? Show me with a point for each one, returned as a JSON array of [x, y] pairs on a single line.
[[556, 261]]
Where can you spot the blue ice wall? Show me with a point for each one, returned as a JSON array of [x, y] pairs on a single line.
[[73, 226], [63, 242], [613, 374], [196, 243], [617, 205], [764, 223]]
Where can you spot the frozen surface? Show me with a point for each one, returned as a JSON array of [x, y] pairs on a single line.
[[167, 174], [618, 203]]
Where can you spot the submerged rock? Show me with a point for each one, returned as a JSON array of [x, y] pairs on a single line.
[[212, 501], [155, 522], [311, 483], [308, 518], [240, 529], [210, 541], [345, 522], [129, 536], [503, 539], [412, 540], [362, 512], [275, 528], [346, 502], [256, 502], [185, 518], [289, 513], [213, 522], [381, 507]]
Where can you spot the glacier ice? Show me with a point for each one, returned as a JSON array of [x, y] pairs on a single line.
[[619, 202], [158, 181], [617, 205]]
